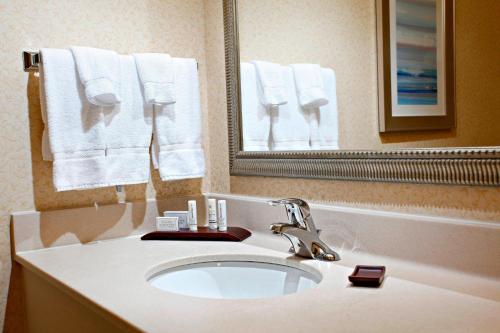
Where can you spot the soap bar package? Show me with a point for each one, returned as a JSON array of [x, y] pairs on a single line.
[[167, 223], [182, 215]]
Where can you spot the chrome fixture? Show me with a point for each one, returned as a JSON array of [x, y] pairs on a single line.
[[31, 60], [301, 231]]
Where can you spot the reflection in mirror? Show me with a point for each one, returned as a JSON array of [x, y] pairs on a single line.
[[288, 107], [288, 76], [309, 76]]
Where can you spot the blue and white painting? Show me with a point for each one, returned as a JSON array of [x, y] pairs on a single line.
[[416, 52]]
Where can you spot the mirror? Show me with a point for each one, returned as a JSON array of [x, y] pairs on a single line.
[[312, 75], [375, 90]]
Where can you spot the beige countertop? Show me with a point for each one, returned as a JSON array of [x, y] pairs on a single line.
[[111, 275]]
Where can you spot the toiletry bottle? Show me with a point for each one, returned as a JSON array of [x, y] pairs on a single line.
[[222, 215], [212, 214], [192, 218]]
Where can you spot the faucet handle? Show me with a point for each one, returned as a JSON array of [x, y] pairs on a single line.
[[296, 210], [288, 201]]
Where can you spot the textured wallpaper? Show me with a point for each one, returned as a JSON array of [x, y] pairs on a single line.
[[342, 35], [172, 26]]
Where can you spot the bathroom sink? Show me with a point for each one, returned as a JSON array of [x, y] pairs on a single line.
[[234, 280]]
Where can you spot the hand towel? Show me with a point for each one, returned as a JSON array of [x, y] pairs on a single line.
[[76, 132], [128, 130], [289, 126], [256, 120], [156, 72], [272, 90], [177, 127], [323, 121], [99, 72], [309, 85]]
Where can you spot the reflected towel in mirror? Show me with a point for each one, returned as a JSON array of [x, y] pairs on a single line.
[[271, 83], [323, 121], [289, 126], [255, 116], [309, 84]]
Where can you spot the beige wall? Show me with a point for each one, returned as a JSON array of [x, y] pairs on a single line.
[[176, 27], [475, 54], [342, 35]]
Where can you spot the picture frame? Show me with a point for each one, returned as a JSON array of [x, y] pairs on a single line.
[[416, 65]]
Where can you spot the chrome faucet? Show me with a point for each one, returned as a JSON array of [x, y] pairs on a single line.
[[301, 231]]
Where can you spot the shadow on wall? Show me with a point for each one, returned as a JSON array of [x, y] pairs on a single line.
[[45, 196], [15, 313], [15, 310]]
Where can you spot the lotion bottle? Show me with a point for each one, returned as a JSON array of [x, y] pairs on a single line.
[[192, 218], [222, 215], [212, 214]]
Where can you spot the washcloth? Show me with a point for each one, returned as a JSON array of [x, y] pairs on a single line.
[[272, 91], [256, 120], [177, 127], [323, 121], [309, 84], [156, 72], [99, 72], [289, 126], [128, 129], [76, 131]]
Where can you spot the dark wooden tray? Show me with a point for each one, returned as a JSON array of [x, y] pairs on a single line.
[[233, 234]]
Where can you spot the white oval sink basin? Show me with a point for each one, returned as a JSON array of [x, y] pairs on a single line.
[[234, 280]]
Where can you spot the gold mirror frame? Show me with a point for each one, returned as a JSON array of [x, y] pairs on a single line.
[[456, 166]]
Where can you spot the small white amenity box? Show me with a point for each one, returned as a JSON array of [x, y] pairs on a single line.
[[167, 223]]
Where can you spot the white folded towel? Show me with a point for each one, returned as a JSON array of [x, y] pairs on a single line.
[[256, 120], [156, 72], [177, 127], [99, 71], [272, 89], [93, 146], [323, 121], [129, 127], [75, 128], [290, 129], [309, 85]]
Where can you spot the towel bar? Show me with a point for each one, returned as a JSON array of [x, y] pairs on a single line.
[[31, 61]]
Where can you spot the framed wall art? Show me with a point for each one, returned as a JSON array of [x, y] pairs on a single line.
[[416, 67]]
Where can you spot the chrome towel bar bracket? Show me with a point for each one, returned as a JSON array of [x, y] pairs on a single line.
[[31, 60]]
